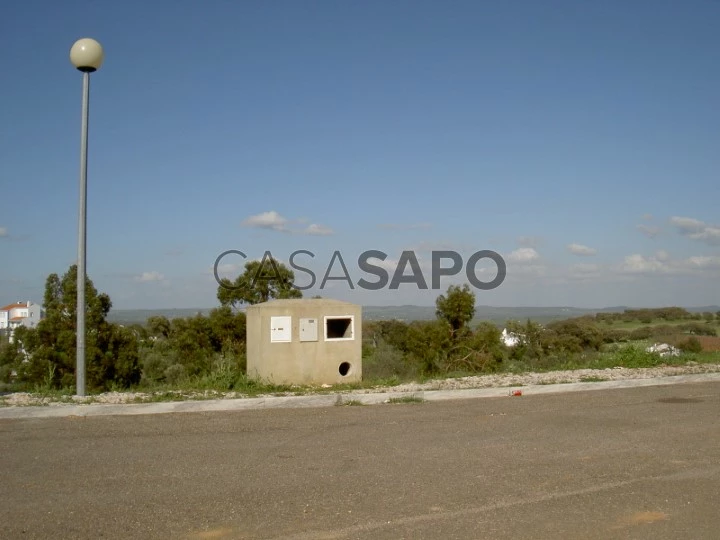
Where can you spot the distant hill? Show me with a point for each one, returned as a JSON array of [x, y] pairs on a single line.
[[484, 313], [494, 314]]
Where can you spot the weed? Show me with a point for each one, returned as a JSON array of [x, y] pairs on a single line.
[[352, 403], [406, 399]]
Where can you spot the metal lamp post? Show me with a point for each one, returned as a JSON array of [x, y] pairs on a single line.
[[87, 56]]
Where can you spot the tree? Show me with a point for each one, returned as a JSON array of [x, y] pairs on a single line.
[[158, 326], [456, 307], [586, 334], [111, 351], [530, 339], [261, 281]]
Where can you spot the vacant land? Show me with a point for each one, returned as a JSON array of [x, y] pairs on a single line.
[[632, 325]]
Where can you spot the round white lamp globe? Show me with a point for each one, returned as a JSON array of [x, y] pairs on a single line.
[[87, 55]]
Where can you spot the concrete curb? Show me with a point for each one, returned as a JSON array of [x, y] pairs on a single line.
[[330, 400]]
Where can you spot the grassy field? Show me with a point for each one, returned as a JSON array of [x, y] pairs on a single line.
[[632, 325]]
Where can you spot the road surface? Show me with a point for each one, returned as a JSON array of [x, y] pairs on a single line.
[[630, 463]]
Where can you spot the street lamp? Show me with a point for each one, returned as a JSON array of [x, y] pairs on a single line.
[[87, 56]]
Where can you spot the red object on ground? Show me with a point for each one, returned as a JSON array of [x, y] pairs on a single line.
[[516, 393]]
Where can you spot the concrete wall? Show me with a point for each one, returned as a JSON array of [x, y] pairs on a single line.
[[302, 360]]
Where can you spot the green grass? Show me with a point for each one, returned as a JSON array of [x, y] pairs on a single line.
[[630, 355], [406, 399], [633, 325]]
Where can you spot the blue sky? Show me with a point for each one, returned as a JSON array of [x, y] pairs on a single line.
[[577, 139]]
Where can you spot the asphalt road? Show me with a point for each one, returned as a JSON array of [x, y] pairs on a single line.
[[631, 463]]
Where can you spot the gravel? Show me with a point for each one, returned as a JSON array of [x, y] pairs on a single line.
[[23, 399]]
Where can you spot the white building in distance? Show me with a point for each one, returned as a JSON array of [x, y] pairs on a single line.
[[20, 314]]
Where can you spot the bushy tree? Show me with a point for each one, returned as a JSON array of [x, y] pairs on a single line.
[[456, 307], [189, 347], [480, 350], [530, 339], [428, 344], [587, 334], [262, 281], [111, 351]]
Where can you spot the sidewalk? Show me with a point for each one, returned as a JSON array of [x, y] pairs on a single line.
[[335, 399]]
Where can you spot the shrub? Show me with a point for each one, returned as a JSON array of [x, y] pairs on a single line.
[[616, 335], [386, 361], [690, 344], [632, 356], [154, 366], [641, 333], [6, 373], [175, 374], [699, 329]]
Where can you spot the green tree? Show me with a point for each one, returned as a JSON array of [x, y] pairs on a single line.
[[227, 330], [480, 350], [587, 334], [529, 339], [10, 357], [456, 307], [262, 281], [111, 351], [427, 344], [158, 326]]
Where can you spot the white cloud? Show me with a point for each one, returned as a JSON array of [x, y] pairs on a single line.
[[146, 277], [687, 225], [522, 255], [529, 241], [697, 230], [710, 263], [639, 264], [3, 232], [647, 230], [579, 249], [317, 230], [267, 220], [387, 264], [662, 263], [275, 222]]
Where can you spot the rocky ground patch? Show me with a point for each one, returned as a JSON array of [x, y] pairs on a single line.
[[20, 399]]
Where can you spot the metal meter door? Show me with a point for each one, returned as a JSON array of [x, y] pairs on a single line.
[[280, 329], [308, 329]]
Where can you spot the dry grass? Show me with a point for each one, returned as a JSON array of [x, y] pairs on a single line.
[[709, 343]]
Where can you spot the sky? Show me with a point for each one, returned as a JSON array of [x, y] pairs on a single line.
[[578, 140]]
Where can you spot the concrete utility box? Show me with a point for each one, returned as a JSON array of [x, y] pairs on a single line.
[[304, 341]]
